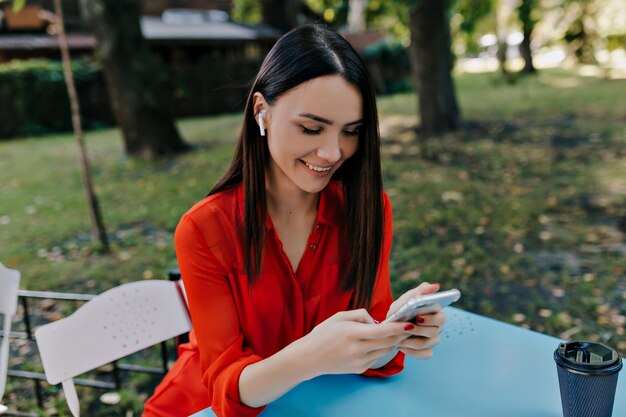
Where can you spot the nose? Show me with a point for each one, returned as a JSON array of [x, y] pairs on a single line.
[[330, 149]]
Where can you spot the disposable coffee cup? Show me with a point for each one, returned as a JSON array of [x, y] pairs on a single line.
[[587, 378]]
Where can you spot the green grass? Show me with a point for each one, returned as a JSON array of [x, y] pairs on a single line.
[[44, 202], [524, 209]]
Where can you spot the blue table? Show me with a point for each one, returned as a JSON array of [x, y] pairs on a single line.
[[482, 368]]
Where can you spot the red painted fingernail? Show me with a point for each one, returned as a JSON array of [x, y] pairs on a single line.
[[409, 327], [419, 319]]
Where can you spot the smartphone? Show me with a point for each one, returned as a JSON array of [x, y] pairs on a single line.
[[424, 304]]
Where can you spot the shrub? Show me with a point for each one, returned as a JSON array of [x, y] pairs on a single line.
[[389, 66], [34, 97]]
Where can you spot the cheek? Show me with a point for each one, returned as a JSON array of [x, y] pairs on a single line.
[[281, 146], [350, 147]]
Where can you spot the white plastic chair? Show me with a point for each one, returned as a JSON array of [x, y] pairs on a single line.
[[9, 284], [116, 323]]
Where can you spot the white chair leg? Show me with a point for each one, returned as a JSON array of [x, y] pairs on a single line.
[[4, 354], [71, 397]]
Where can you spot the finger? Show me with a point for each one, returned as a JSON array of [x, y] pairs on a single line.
[[423, 288], [419, 290], [373, 345], [419, 343], [361, 316], [419, 354], [436, 319], [384, 330], [425, 331], [373, 355]]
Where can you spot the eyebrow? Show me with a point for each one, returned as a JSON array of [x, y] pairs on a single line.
[[326, 121]]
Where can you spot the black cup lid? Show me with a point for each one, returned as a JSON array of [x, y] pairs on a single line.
[[588, 356]]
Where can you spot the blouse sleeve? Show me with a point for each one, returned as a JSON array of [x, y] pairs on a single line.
[[223, 353], [382, 298]]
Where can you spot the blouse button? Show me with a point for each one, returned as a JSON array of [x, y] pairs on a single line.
[[313, 246]]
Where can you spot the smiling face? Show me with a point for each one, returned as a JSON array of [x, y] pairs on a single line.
[[311, 131]]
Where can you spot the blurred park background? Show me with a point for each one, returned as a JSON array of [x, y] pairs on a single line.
[[504, 149]]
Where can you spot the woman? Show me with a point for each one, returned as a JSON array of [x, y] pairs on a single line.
[[286, 262]]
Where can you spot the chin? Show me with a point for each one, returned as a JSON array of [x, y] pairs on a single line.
[[309, 187]]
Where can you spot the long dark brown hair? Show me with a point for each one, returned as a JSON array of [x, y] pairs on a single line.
[[300, 55]]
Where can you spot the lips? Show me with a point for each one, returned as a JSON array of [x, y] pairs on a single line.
[[317, 168]]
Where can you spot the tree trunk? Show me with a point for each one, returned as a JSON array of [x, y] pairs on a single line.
[[527, 54], [582, 34], [140, 96], [431, 66], [98, 231], [356, 15], [281, 14], [504, 11], [501, 54], [525, 13]]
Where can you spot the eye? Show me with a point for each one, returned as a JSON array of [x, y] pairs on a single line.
[[311, 131], [354, 132]]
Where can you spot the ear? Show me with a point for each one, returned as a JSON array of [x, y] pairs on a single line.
[[258, 104]]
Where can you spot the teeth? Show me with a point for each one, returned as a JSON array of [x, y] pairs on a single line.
[[318, 169]]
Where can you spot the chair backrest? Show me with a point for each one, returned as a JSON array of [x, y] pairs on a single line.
[[9, 284], [116, 323]]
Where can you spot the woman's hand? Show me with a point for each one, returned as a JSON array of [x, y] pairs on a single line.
[[349, 342], [425, 333]]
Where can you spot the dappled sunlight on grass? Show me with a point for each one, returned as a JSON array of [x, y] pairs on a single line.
[[562, 82], [611, 179], [611, 64], [524, 208]]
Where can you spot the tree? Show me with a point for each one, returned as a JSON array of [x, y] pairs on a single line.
[[281, 14], [503, 19], [526, 12], [431, 66], [472, 13], [140, 97], [582, 33], [356, 15], [98, 230], [285, 14]]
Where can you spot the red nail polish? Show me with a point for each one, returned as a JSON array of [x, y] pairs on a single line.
[[409, 327], [419, 319]]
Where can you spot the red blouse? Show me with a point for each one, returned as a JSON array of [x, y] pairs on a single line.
[[236, 324]]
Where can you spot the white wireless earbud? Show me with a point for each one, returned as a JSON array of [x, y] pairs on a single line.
[[262, 122]]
